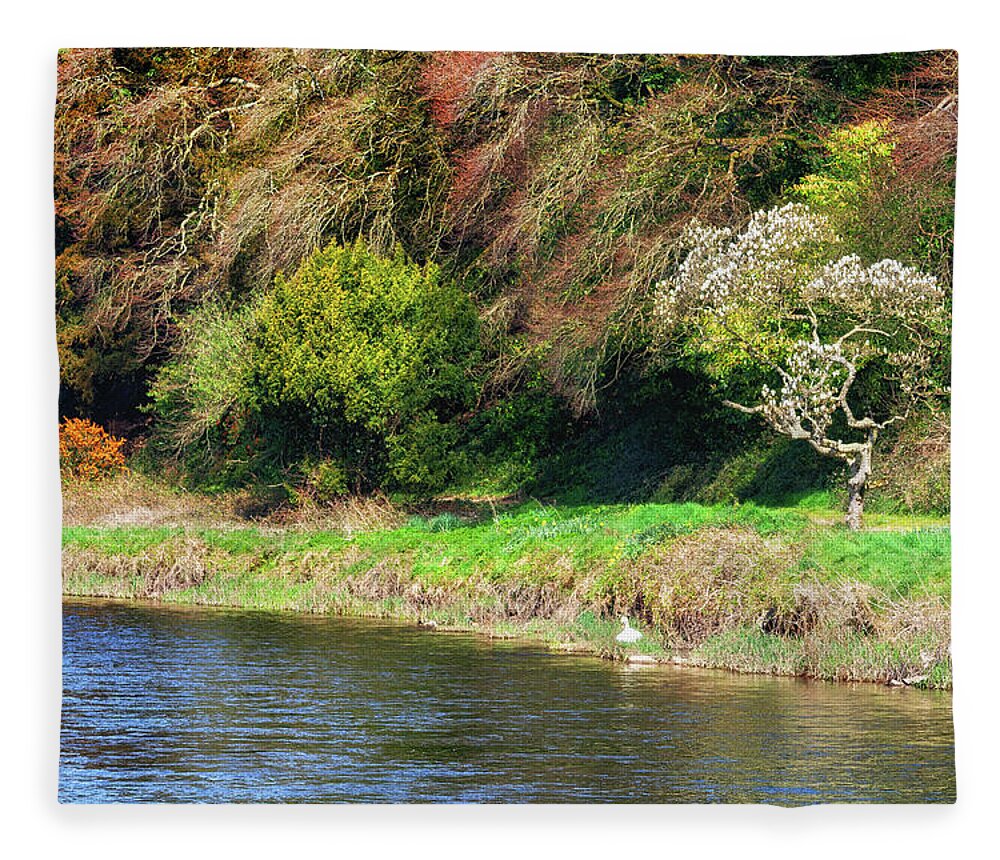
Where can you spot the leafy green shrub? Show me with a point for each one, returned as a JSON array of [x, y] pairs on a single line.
[[369, 357], [328, 481], [364, 338], [859, 156], [357, 363], [505, 441], [422, 455]]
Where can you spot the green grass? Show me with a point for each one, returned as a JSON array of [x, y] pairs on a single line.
[[811, 500], [905, 522], [532, 545], [746, 650], [249, 590], [584, 534], [253, 541], [840, 656], [124, 540], [901, 563]]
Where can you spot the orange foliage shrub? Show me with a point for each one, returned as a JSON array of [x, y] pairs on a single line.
[[87, 451]]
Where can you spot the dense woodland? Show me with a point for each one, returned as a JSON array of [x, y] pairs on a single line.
[[317, 273]]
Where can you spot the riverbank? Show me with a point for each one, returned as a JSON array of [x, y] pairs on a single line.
[[747, 588]]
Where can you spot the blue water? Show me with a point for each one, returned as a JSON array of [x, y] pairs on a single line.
[[204, 705]]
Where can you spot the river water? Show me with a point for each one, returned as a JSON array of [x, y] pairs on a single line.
[[210, 705]]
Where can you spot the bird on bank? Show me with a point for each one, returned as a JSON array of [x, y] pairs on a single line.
[[629, 634]]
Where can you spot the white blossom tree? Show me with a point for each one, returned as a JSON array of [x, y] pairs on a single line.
[[765, 300]]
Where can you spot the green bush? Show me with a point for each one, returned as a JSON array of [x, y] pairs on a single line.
[[368, 358], [860, 156], [328, 481], [505, 440], [422, 456], [345, 376]]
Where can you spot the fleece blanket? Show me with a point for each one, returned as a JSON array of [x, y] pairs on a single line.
[[505, 427]]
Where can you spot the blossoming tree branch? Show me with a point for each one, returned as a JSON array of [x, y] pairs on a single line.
[[766, 309]]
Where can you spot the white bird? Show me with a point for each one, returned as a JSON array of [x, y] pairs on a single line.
[[628, 634]]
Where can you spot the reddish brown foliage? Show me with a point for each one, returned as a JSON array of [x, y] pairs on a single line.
[[922, 109], [446, 80]]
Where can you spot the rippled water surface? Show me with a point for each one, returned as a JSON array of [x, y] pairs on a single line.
[[182, 704]]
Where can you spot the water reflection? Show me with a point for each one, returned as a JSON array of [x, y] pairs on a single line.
[[181, 704]]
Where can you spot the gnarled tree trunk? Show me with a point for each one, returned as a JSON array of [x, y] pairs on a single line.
[[860, 466], [856, 483]]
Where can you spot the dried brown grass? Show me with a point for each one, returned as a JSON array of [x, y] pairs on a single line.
[[134, 500], [163, 568], [709, 581]]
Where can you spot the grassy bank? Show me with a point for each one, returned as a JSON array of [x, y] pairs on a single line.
[[743, 587]]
